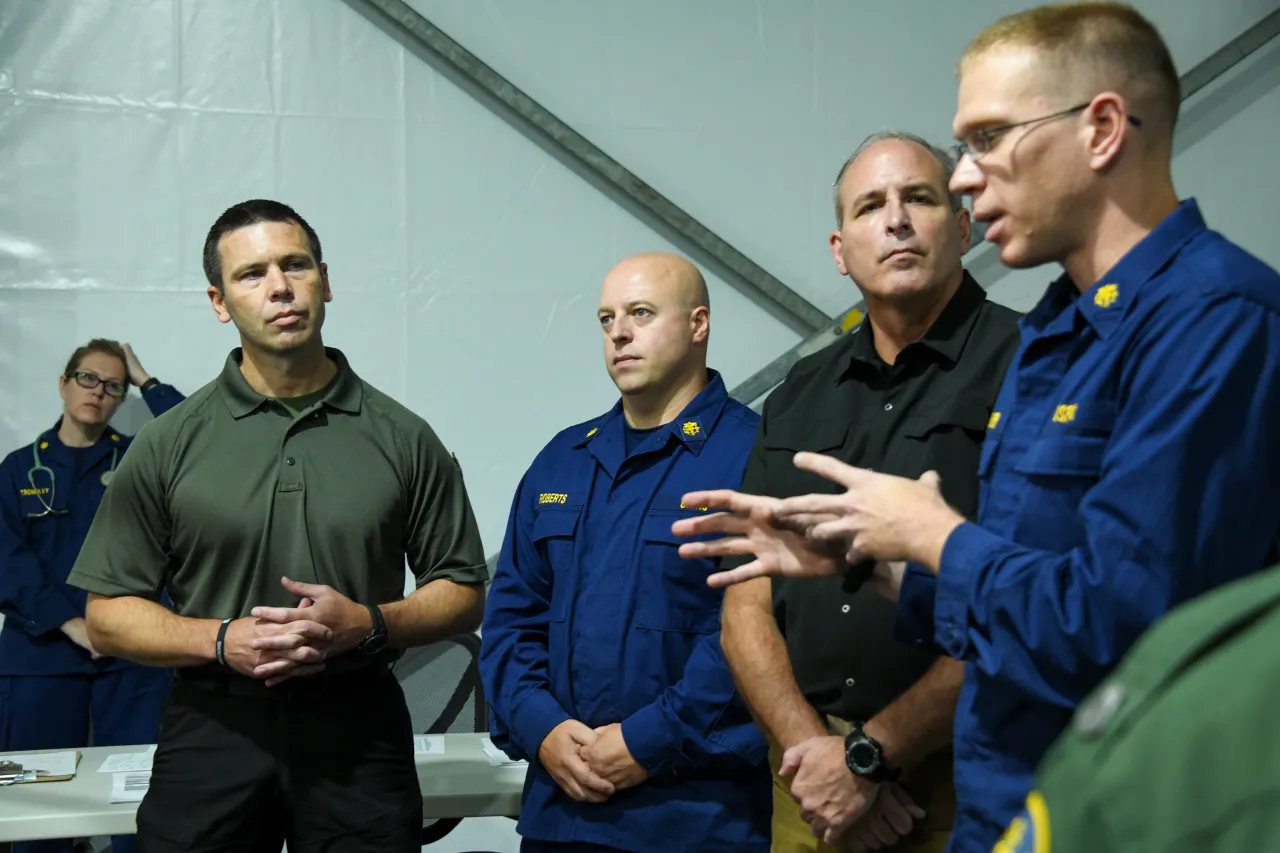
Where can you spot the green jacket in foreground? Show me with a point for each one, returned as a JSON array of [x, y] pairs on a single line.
[[1179, 749]]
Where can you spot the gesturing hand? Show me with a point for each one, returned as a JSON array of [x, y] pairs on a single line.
[[610, 759], [753, 531], [878, 516], [560, 754]]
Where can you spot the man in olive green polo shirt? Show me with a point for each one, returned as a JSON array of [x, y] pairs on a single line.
[[277, 506], [1177, 750]]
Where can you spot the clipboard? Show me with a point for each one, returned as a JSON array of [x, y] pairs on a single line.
[[18, 773]]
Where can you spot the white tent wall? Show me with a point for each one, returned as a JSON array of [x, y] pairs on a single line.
[[465, 259]]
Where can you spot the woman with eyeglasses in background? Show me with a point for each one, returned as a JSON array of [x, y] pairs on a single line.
[[52, 682]]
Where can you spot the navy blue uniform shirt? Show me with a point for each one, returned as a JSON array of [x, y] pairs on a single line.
[[1132, 462], [594, 616], [38, 550]]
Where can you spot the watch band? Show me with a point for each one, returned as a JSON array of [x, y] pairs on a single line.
[[220, 647], [149, 384], [377, 636]]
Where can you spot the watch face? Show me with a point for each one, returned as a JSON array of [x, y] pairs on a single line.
[[373, 645], [863, 756]]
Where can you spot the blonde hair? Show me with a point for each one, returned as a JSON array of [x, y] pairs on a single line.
[[1110, 45]]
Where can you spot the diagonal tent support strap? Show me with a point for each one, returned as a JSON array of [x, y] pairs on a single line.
[[983, 261], [411, 29]]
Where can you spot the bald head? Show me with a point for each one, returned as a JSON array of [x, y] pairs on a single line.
[[656, 317], [665, 273]]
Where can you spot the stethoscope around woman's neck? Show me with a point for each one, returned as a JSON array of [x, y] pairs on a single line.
[[105, 479]]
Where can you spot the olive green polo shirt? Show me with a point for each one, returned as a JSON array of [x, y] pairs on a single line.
[[1178, 749], [223, 495]]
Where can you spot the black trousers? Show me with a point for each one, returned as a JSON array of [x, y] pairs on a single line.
[[320, 763]]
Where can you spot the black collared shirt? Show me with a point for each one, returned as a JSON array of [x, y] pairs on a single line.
[[927, 411]]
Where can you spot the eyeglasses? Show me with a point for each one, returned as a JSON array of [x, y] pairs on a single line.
[[90, 380], [979, 143]]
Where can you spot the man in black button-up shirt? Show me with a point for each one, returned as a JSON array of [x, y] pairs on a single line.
[[908, 390]]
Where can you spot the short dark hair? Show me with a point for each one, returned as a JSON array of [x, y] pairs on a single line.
[[248, 213], [98, 345]]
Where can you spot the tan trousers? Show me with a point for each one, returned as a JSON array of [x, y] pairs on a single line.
[[930, 785]]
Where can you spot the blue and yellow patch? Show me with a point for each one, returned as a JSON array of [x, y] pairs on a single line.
[[1029, 831]]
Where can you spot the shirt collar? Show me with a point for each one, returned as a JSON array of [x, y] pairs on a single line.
[[947, 335], [345, 392], [1104, 304], [691, 427], [50, 445]]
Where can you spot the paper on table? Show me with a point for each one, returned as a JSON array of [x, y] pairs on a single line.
[[128, 762], [498, 758], [48, 763], [129, 787], [428, 744]]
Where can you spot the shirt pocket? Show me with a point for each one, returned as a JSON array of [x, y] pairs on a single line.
[[553, 536], [948, 438], [1054, 475], [1072, 451], [1068, 455], [672, 592]]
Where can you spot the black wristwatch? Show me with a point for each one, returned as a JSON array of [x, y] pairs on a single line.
[[377, 636], [865, 757], [149, 384]]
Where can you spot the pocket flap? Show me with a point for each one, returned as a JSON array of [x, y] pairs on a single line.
[[966, 414], [656, 527], [1066, 454], [814, 436], [548, 523]]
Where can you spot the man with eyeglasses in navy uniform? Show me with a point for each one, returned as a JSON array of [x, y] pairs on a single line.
[[53, 683], [1131, 462]]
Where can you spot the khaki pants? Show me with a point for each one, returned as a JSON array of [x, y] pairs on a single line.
[[930, 785]]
